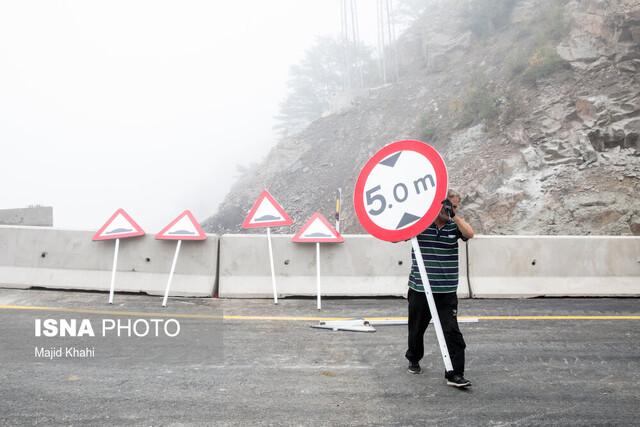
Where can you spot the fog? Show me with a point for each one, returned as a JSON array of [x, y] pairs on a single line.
[[146, 105]]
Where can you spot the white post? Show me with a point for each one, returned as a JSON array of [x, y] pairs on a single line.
[[338, 209], [173, 268], [273, 272], [432, 305], [318, 273], [113, 272]]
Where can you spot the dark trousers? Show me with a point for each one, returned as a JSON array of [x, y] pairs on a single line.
[[419, 318]]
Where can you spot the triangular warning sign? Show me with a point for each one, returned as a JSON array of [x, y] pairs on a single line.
[[119, 226], [266, 212], [184, 227], [317, 230]]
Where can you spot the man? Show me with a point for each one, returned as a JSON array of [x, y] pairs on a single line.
[[439, 247]]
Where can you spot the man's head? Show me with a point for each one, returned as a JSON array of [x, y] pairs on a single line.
[[449, 206]]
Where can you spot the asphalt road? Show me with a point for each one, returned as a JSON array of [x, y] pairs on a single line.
[[248, 362]]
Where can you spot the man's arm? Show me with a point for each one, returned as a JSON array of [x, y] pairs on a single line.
[[464, 227]]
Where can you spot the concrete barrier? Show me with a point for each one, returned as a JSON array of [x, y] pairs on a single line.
[[361, 266], [499, 266], [38, 216], [65, 259], [531, 266]]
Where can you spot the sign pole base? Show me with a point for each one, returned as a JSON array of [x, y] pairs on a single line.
[[432, 305]]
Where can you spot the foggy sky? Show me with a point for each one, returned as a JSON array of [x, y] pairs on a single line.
[[145, 105]]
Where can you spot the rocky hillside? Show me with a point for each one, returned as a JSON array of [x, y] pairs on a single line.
[[535, 107]]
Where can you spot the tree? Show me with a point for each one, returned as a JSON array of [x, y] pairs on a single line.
[[328, 68], [407, 11]]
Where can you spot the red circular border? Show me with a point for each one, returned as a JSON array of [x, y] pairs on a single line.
[[441, 190]]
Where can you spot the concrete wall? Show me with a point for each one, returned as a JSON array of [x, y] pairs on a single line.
[[361, 266], [39, 216], [64, 259], [499, 266], [529, 266]]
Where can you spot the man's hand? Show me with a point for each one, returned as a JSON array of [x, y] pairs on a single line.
[[450, 205], [448, 208], [464, 227]]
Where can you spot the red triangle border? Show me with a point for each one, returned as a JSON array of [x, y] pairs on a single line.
[[266, 195], [317, 215], [138, 230], [201, 234]]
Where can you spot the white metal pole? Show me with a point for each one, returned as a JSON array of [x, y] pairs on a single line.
[[432, 305], [273, 272], [113, 272], [173, 268], [318, 273], [338, 209]]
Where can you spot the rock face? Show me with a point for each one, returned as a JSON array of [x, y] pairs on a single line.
[[539, 137]]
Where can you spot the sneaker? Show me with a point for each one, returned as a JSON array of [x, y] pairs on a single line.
[[457, 380], [414, 368]]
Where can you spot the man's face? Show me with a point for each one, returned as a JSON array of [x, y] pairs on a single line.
[[455, 202]]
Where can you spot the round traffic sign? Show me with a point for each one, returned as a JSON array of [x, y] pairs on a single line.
[[399, 191]]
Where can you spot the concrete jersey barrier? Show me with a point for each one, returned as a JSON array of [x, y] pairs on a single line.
[[499, 266], [361, 266], [531, 266], [41, 216], [66, 259]]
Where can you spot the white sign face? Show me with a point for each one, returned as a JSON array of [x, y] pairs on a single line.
[[266, 212], [317, 229], [184, 227], [119, 225], [400, 190]]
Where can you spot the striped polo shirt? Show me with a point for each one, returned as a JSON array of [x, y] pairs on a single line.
[[439, 249]]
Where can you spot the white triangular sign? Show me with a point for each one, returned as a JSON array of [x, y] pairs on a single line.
[[317, 230], [184, 227], [119, 226], [266, 212]]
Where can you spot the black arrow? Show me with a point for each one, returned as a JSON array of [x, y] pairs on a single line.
[[391, 160], [407, 218]]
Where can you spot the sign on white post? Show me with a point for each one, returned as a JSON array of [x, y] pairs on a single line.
[[119, 226], [184, 227], [267, 212], [317, 230], [398, 194]]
